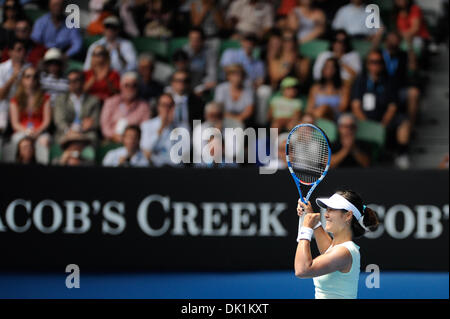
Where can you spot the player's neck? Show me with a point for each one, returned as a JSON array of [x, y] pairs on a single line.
[[342, 237]]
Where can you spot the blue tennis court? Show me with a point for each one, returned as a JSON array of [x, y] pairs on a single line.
[[242, 285]]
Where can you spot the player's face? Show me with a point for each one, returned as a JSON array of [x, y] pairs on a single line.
[[335, 220]]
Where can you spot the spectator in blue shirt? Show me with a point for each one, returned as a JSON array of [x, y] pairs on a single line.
[[254, 68], [51, 31]]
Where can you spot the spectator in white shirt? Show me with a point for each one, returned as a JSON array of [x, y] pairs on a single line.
[[10, 73], [129, 154], [250, 16], [352, 18], [340, 48], [156, 142], [122, 52]]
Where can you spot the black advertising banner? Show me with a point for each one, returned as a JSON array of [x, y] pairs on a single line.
[[106, 219]]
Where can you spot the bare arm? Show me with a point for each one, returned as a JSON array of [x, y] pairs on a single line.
[[14, 116], [5, 89], [338, 157], [362, 158], [311, 98], [47, 117], [318, 30], [323, 240], [338, 259], [246, 113], [357, 111], [389, 115], [345, 98]]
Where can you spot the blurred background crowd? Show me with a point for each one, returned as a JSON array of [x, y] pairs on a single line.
[[111, 92]]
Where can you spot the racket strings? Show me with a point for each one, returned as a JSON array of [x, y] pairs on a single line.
[[308, 153]]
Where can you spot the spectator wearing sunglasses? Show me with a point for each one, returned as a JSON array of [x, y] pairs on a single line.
[[30, 115], [123, 109], [374, 97], [51, 31], [76, 111], [122, 53], [101, 80], [347, 151], [188, 106], [156, 142], [341, 49], [34, 51]]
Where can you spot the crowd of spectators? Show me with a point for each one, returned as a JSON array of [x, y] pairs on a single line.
[[118, 98]]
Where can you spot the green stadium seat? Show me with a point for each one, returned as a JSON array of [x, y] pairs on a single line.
[[374, 134], [228, 44], [55, 152], [313, 48], [329, 127], [74, 65], [89, 39], [384, 5], [88, 153], [371, 132], [103, 149], [34, 14], [362, 47], [156, 46], [175, 44]]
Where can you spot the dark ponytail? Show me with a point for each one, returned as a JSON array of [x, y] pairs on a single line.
[[370, 218]]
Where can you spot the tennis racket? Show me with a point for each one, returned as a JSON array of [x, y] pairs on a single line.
[[308, 157]]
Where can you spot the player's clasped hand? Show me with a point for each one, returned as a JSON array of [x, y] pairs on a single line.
[[311, 218], [304, 208]]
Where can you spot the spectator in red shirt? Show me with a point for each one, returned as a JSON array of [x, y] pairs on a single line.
[[410, 23], [30, 114], [34, 51], [101, 80]]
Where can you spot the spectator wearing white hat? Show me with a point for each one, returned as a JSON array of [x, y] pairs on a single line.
[[52, 78], [122, 52]]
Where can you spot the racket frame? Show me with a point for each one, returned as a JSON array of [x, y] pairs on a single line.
[[296, 179]]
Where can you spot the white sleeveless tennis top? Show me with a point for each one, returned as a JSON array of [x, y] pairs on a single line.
[[339, 285]]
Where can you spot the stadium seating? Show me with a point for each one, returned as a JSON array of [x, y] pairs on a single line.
[[103, 149], [74, 65], [158, 47], [329, 128], [373, 133], [34, 14], [313, 48], [362, 47], [89, 39], [228, 44], [176, 44]]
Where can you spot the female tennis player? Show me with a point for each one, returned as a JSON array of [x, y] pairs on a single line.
[[335, 271]]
